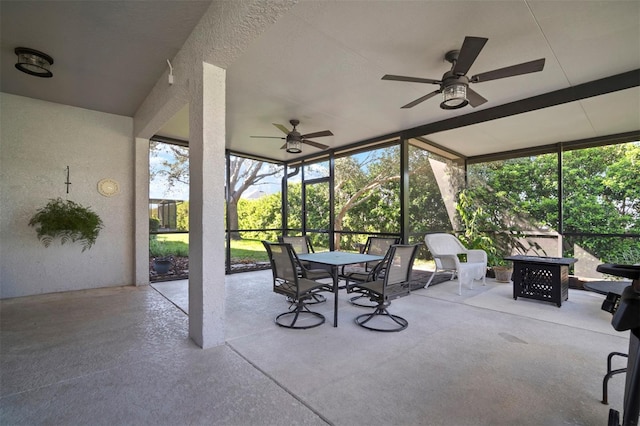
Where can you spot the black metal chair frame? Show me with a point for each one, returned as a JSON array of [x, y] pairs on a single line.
[[298, 289], [395, 284]]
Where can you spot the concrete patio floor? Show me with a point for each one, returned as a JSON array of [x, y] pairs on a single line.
[[122, 356]]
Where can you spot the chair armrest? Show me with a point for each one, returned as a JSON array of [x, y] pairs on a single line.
[[448, 261], [475, 255]]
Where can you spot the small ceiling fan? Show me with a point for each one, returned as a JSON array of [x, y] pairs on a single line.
[[454, 84], [294, 139]]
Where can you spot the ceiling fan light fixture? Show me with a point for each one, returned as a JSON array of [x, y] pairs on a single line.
[[454, 96], [33, 62], [294, 146]]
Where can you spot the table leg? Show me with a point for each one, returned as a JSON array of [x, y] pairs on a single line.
[[335, 295]]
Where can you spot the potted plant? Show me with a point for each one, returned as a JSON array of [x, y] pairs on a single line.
[[163, 264], [487, 230], [502, 269], [473, 220], [162, 261], [67, 220]]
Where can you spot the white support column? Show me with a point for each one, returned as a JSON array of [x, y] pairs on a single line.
[[141, 209], [206, 208]]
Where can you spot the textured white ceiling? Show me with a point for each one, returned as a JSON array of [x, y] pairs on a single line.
[[107, 55], [322, 62]]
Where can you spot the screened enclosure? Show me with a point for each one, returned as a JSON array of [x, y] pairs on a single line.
[[565, 200], [573, 199]]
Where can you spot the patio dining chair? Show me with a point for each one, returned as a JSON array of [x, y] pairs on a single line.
[[378, 246], [352, 279], [299, 290], [301, 245], [393, 285], [446, 250], [370, 270]]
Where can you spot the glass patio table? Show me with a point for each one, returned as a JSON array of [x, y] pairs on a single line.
[[336, 259]]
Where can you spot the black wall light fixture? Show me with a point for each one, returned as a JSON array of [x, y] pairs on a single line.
[[34, 62]]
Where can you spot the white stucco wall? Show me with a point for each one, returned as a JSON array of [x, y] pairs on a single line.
[[38, 140]]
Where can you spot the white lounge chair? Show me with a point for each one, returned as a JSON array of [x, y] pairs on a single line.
[[445, 249]]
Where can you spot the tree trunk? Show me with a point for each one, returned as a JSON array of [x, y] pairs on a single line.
[[232, 211], [337, 227]]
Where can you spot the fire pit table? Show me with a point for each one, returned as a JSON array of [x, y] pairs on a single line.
[[541, 278]]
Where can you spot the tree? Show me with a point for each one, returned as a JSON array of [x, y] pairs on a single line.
[[182, 216], [367, 192], [174, 168], [261, 213], [427, 202], [243, 174], [601, 195]]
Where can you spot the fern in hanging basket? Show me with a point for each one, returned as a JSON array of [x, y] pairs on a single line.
[[67, 220]]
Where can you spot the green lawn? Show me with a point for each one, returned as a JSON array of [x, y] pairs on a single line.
[[242, 251], [169, 245], [178, 244], [248, 251], [183, 238]]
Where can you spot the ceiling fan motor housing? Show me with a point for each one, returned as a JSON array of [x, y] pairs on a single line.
[[294, 135]]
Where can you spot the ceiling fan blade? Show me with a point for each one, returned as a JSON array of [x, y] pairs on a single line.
[[282, 128], [422, 99], [283, 146], [316, 144], [469, 51], [318, 134], [474, 98], [524, 68], [267, 137], [410, 79]]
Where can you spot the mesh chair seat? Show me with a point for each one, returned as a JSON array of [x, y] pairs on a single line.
[[373, 287], [316, 274], [306, 286], [361, 276]]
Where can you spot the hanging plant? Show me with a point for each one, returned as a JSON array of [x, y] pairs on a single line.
[[68, 220]]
